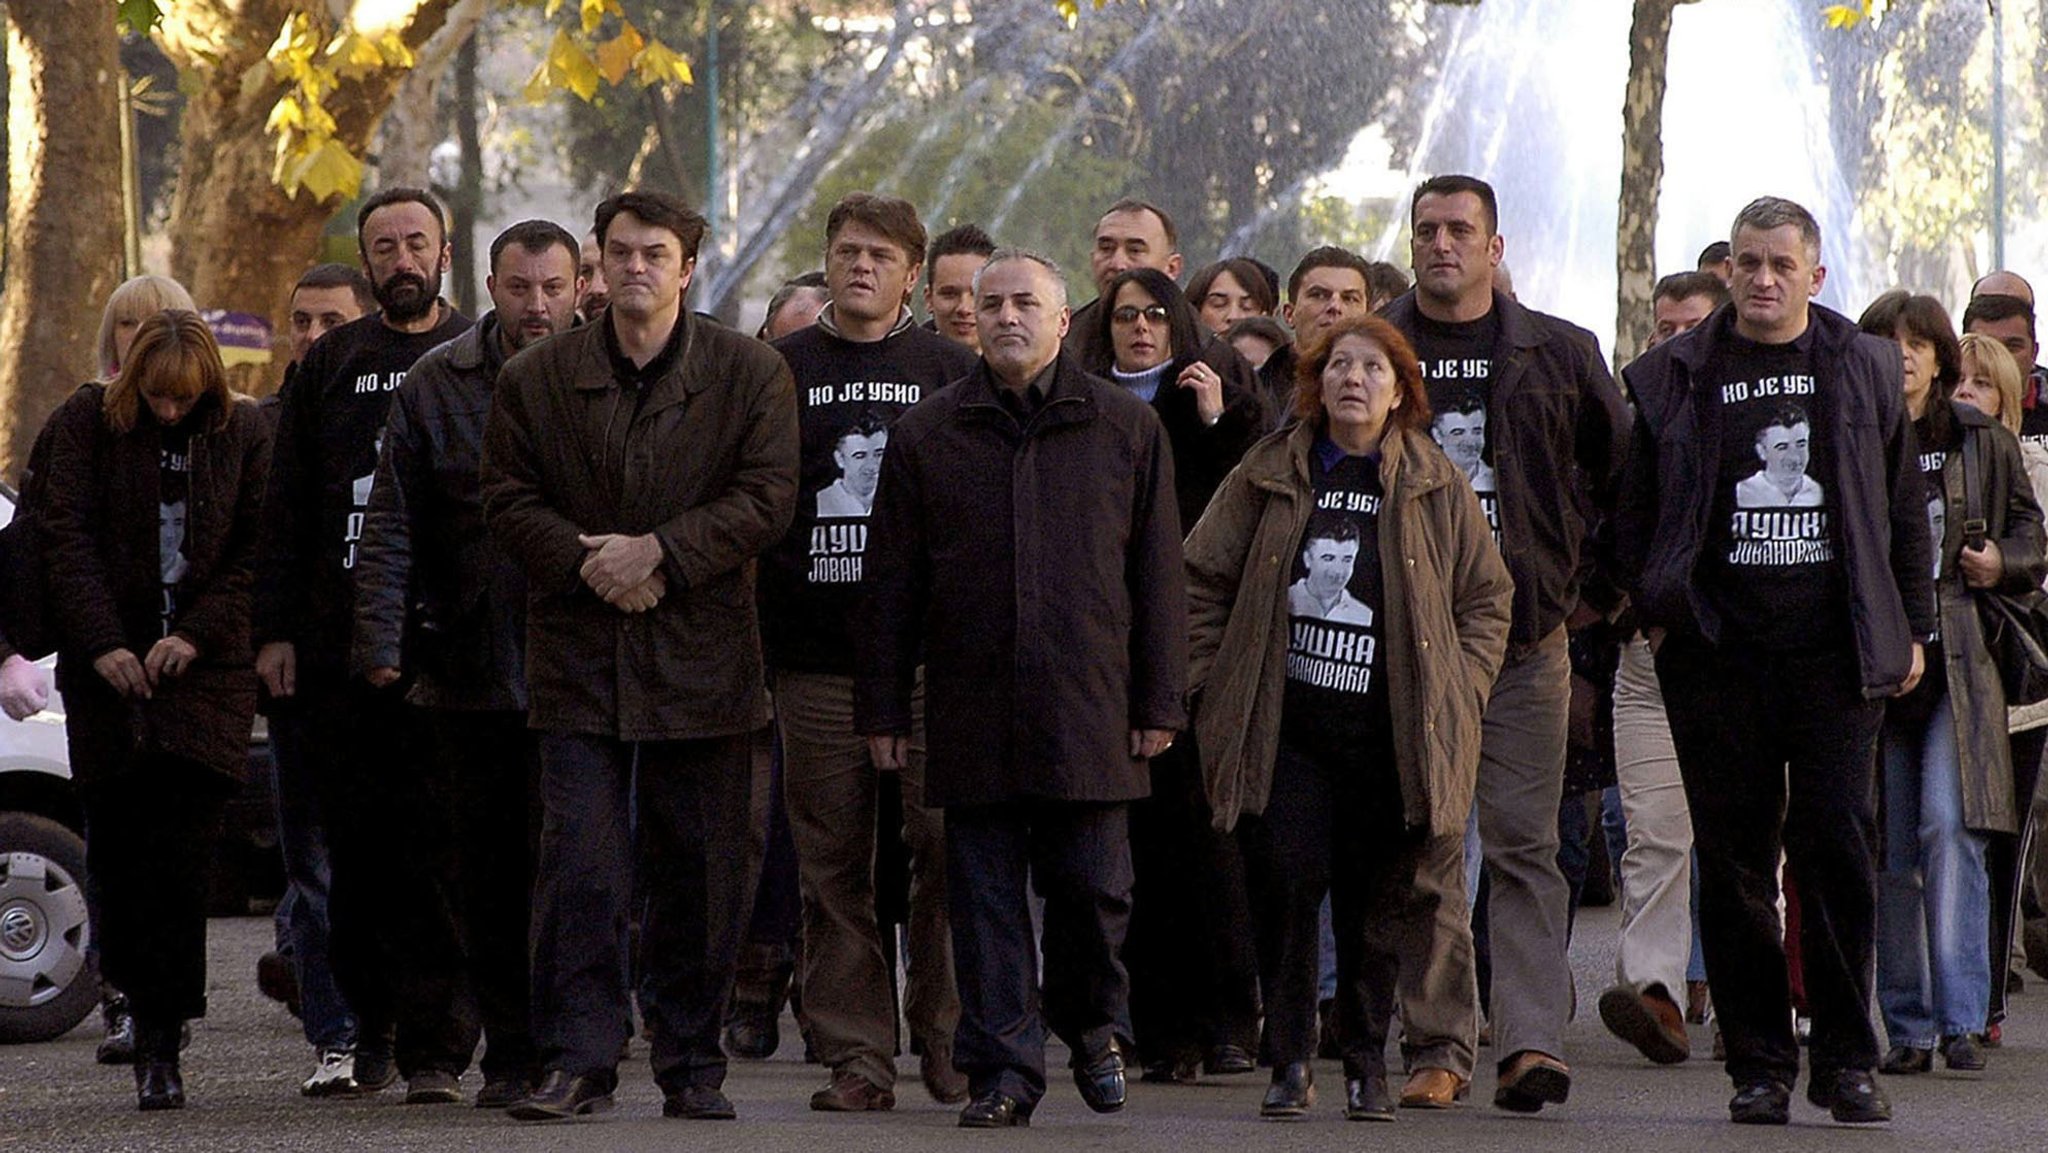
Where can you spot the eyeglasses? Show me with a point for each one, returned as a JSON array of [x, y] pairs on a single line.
[[1129, 314]]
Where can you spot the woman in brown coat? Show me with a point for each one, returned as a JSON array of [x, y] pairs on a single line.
[[148, 537], [1349, 613]]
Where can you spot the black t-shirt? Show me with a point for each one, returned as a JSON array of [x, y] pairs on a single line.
[[1773, 547], [2034, 406], [330, 431], [1457, 366], [1335, 704], [174, 486], [848, 394]]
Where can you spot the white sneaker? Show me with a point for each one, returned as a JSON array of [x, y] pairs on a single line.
[[335, 1076]]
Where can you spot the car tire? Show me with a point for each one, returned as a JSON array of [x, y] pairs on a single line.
[[46, 985]]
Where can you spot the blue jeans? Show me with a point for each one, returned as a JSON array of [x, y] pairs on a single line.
[[1934, 902], [302, 924]]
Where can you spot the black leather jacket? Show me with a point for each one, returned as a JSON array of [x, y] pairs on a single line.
[[435, 595]]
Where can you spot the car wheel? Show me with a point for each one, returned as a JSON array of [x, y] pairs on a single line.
[[46, 987]]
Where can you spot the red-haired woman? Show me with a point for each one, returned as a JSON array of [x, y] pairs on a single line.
[[1349, 613], [148, 538]]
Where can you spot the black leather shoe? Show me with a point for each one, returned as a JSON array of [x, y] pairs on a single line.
[[698, 1103], [504, 1090], [1292, 1092], [1761, 1103], [995, 1111], [1903, 1061], [1850, 1096], [1229, 1060], [1366, 1099], [752, 1033], [1101, 1081], [117, 1045], [158, 1085], [1185, 1069], [562, 1095]]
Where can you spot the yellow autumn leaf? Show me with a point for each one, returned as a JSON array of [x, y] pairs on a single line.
[[396, 54], [594, 12], [1070, 11], [553, 7], [285, 115], [537, 86], [659, 64], [326, 171], [1845, 15], [355, 55], [615, 56], [569, 66]]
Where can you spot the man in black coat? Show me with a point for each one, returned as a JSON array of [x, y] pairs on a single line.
[[1779, 632], [1025, 547], [437, 598]]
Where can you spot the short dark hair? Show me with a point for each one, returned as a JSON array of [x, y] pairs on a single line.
[[1133, 204], [1328, 256], [535, 236], [959, 240], [1385, 280], [1245, 271], [1997, 306], [334, 275], [1786, 416], [1686, 285], [867, 422], [1183, 329], [659, 209], [1327, 524], [1454, 183], [893, 217], [402, 194], [1924, 317], [1264, 327], [789, 288], [1715, 253]]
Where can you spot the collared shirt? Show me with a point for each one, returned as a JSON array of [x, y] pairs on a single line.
[[1024, 403], [632, 376]]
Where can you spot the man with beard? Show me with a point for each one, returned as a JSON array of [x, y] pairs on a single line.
[[857, 370], [393, 946], [592, 294], [437, 598]]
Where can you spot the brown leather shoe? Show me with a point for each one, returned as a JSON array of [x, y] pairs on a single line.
[[1433, 1088], [852, 1093], [1647, 1019], [1530, 1080], [947, 1085]]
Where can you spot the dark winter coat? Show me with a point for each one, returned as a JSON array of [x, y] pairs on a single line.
[[1034, 569], [435, 594], [1446, 596], [706, 460], [100, 542], [1558, 457], [1975, 694], [1668, 497], [1085, 343]]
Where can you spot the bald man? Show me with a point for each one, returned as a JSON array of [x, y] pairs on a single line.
[[2003, 283]]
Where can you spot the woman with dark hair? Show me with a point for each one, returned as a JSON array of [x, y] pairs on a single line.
[[1348, 614], [1155, 344], [1230, 290], [1947, 773], [1194, 982], [149, 535]]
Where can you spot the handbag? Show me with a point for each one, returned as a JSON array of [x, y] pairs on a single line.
[[2015, 625]]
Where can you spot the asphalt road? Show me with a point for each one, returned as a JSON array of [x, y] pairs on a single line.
[[247, 1058]]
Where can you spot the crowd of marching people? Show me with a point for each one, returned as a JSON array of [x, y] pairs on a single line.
[[1212, 678]]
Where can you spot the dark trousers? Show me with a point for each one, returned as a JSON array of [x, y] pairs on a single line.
[[393, 943], [1395, 896], [303, 926], [767, 963], [1078, 857], [2006, 862], [1194, 974], [690, 850], [152, 822], [1758, 736], [489, 763]]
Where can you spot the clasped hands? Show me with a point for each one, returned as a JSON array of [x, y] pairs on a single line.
[[134, 678], [624, 570]]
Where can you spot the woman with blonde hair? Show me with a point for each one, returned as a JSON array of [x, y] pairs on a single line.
[[132, 302], [148, 537]]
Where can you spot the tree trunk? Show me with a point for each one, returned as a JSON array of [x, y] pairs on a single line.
[[411, 130], [63, 209], [237, 240], [1642, 176]]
